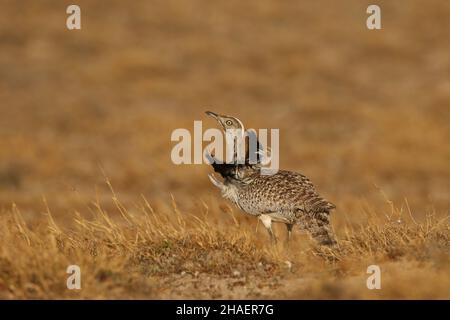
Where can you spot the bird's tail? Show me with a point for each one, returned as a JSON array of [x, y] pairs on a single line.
[[319, 226]]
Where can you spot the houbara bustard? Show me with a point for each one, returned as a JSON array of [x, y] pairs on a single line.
[[286, 197]]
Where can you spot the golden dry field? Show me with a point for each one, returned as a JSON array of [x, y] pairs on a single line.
[[86, 176]]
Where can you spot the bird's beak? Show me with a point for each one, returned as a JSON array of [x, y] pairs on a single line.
[[218, 118], [212, 114]]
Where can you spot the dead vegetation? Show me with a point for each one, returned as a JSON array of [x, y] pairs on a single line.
[[359, 112], [145, 254]]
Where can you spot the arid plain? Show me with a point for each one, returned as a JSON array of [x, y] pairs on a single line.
[[86, 118]]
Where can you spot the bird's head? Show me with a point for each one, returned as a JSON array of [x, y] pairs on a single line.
[[227, 122]]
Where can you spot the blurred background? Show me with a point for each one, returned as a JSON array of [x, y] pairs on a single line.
[[365, 114]]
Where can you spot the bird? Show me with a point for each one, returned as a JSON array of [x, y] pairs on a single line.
[[254, 151], [284, 197]]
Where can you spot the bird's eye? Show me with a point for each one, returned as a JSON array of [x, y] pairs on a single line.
[[229, 122]]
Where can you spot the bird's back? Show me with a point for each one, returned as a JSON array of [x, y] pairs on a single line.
[[284, 191]]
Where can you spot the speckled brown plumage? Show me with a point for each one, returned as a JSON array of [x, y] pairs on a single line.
[[285, 196]]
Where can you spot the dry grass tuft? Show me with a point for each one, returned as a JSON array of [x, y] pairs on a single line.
[[142, 253]]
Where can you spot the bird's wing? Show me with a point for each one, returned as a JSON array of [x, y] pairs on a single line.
[[287, 191]]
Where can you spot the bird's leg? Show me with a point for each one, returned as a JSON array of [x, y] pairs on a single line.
[[289, 227], [267, 222]]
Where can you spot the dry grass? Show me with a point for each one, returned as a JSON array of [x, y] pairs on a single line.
[[146, 254], [363, 114]]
